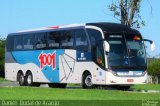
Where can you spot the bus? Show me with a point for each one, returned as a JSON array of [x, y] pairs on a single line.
[[88, 54]]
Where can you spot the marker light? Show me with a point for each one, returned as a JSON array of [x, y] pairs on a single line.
[[54, 27], [136, 38]]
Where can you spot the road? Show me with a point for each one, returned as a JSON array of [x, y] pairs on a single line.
[[14, 84]]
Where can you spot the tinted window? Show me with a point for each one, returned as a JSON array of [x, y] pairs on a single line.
[[81, 40], [28, 41], [40, 41], [117, 50], [53, 40], [126, 51], [10, 43], [18, 42], [67, 39], [97, 46], [95, 36]]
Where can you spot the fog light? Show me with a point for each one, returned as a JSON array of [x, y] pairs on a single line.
[[112, 81]]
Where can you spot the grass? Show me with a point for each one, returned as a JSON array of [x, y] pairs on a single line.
[[3, 80], [146, 87], [29, 93], [81, 97]]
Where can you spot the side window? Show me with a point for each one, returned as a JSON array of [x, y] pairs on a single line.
[[97, 46], [18, 42], [67, 39], [10, 43], [28, 42], [40, 41], [81, 40], [95, 36], [53, 40]]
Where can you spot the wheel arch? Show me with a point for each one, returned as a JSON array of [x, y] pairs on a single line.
[[85, 72], [28, 71]]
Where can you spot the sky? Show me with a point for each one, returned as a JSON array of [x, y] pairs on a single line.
[[16, 15]]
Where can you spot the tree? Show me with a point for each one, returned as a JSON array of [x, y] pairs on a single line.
[[154, 68], [2, 52], [127, 12]]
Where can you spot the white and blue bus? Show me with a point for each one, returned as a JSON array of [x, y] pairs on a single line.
[[88, 54]]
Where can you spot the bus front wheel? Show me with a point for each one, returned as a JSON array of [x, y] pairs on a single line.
[[87, 80]]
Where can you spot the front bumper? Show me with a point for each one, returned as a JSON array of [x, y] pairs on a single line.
[[111, 79]]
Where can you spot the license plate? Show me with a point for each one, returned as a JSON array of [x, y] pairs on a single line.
[[130, 80]]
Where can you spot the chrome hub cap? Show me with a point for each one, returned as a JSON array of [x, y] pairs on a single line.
[[88, 80], [29, 79]]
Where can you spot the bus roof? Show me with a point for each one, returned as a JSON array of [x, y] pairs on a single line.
[[53, 27], [50, 28], [114, 27], [108, 27]]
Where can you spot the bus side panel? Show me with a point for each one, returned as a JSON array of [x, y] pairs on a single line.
[[11, 70], [71, 70], [65, 68], [44, 64]]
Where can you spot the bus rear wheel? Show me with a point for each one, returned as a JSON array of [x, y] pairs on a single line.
[[29, 79], [21, 79], [87, 81]]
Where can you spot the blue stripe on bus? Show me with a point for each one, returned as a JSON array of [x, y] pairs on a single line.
[[83, 56], [24, 57]]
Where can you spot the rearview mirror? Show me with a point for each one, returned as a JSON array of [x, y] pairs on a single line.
[[106, 46], [152, 44]]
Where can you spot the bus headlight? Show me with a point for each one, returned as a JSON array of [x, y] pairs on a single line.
[[114, 73]]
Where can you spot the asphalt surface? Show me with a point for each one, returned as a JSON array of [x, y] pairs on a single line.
[[14, 84], [9, 84]]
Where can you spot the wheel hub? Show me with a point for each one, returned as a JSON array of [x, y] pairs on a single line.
[[88, 80], [29, 79]]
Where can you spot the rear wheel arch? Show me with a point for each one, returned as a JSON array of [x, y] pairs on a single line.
[[27, 72]]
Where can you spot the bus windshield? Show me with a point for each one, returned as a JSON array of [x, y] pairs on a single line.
[[126, 51]]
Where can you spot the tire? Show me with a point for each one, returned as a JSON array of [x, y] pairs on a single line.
[[57, 85], [87, 81], [21, 79], [29, 79]]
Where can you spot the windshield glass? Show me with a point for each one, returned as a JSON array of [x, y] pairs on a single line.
[[126, 50]]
